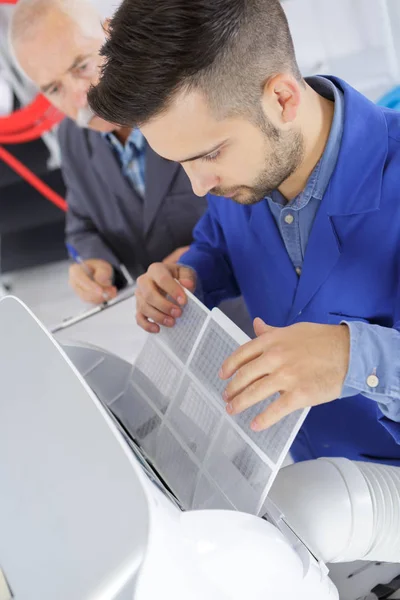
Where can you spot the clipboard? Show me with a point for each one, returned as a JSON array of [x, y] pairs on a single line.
[[65, 323]]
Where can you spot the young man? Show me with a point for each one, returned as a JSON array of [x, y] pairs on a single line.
[[126, 204], [311, 238]]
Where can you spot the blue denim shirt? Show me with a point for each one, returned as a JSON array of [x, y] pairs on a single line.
[[370, 345], [131, 157], [295, 218]]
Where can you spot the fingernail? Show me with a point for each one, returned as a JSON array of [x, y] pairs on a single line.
[[154, 329], [175, 312], [168, 322], [221, 373], [229, 408], [225, 396], [255, 426], [181, 300], [105, 296]]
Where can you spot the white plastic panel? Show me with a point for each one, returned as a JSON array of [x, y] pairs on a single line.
[[73, 507], [113, 329]]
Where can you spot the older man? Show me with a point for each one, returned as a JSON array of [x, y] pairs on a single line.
[[127, 205]]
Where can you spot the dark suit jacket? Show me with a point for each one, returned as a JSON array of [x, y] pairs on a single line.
[[107, 219]]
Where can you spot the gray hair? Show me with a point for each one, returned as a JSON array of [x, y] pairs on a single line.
[[27, 16]]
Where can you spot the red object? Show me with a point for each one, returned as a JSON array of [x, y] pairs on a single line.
[[38, 111], [31, 178], [25, 125], [27, 135]]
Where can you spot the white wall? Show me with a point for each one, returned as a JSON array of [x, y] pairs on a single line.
[[107, 7], [355, 39]]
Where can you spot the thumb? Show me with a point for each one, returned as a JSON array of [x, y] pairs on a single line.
[[187, 277], [260, 327]]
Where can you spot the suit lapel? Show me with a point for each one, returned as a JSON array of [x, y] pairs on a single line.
[[159, 176], [109, 171]]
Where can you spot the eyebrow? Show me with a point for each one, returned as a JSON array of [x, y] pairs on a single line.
[[202, 154], [77, 61]]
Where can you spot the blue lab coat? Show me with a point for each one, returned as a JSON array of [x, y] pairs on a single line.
[[351, 269]]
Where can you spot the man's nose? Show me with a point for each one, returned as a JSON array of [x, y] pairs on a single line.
[[78, 94], [202, 181]]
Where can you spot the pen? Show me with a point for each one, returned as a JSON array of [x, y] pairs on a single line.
[[73, 253], [76, 257]]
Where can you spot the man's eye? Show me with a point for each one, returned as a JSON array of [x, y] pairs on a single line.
[[54, 90], [211, 157]]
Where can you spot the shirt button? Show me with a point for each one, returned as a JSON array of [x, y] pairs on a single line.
[[298, 270], [372, 381], [289, 219]]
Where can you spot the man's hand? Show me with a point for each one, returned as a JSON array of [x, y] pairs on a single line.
[[151, 292], [175, 256], [97, 287], [306, 363]]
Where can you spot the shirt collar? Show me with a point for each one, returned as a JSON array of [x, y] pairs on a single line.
[[320, 176], [327, 164], [135, 137]]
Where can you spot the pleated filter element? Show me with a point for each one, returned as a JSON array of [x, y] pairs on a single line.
[[173, 408]]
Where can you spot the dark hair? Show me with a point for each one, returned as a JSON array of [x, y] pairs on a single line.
[[156, 48]]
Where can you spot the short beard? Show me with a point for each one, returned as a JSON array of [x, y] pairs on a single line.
[[286, 153]]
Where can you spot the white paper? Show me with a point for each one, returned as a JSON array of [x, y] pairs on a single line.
[[113, 329]]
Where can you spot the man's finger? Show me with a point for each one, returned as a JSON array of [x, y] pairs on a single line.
[[80, 280], [257, 392], [145, 324], [260, 327], [152, 313], [165, 281], [103, 276], [242, 356], [250, 373], [149, 294], [283, 406], [187, 277], [189, 284], [86, 296], [97, 293]]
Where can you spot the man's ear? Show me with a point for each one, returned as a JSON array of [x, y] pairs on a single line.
[[106, 27], [281, 97]]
